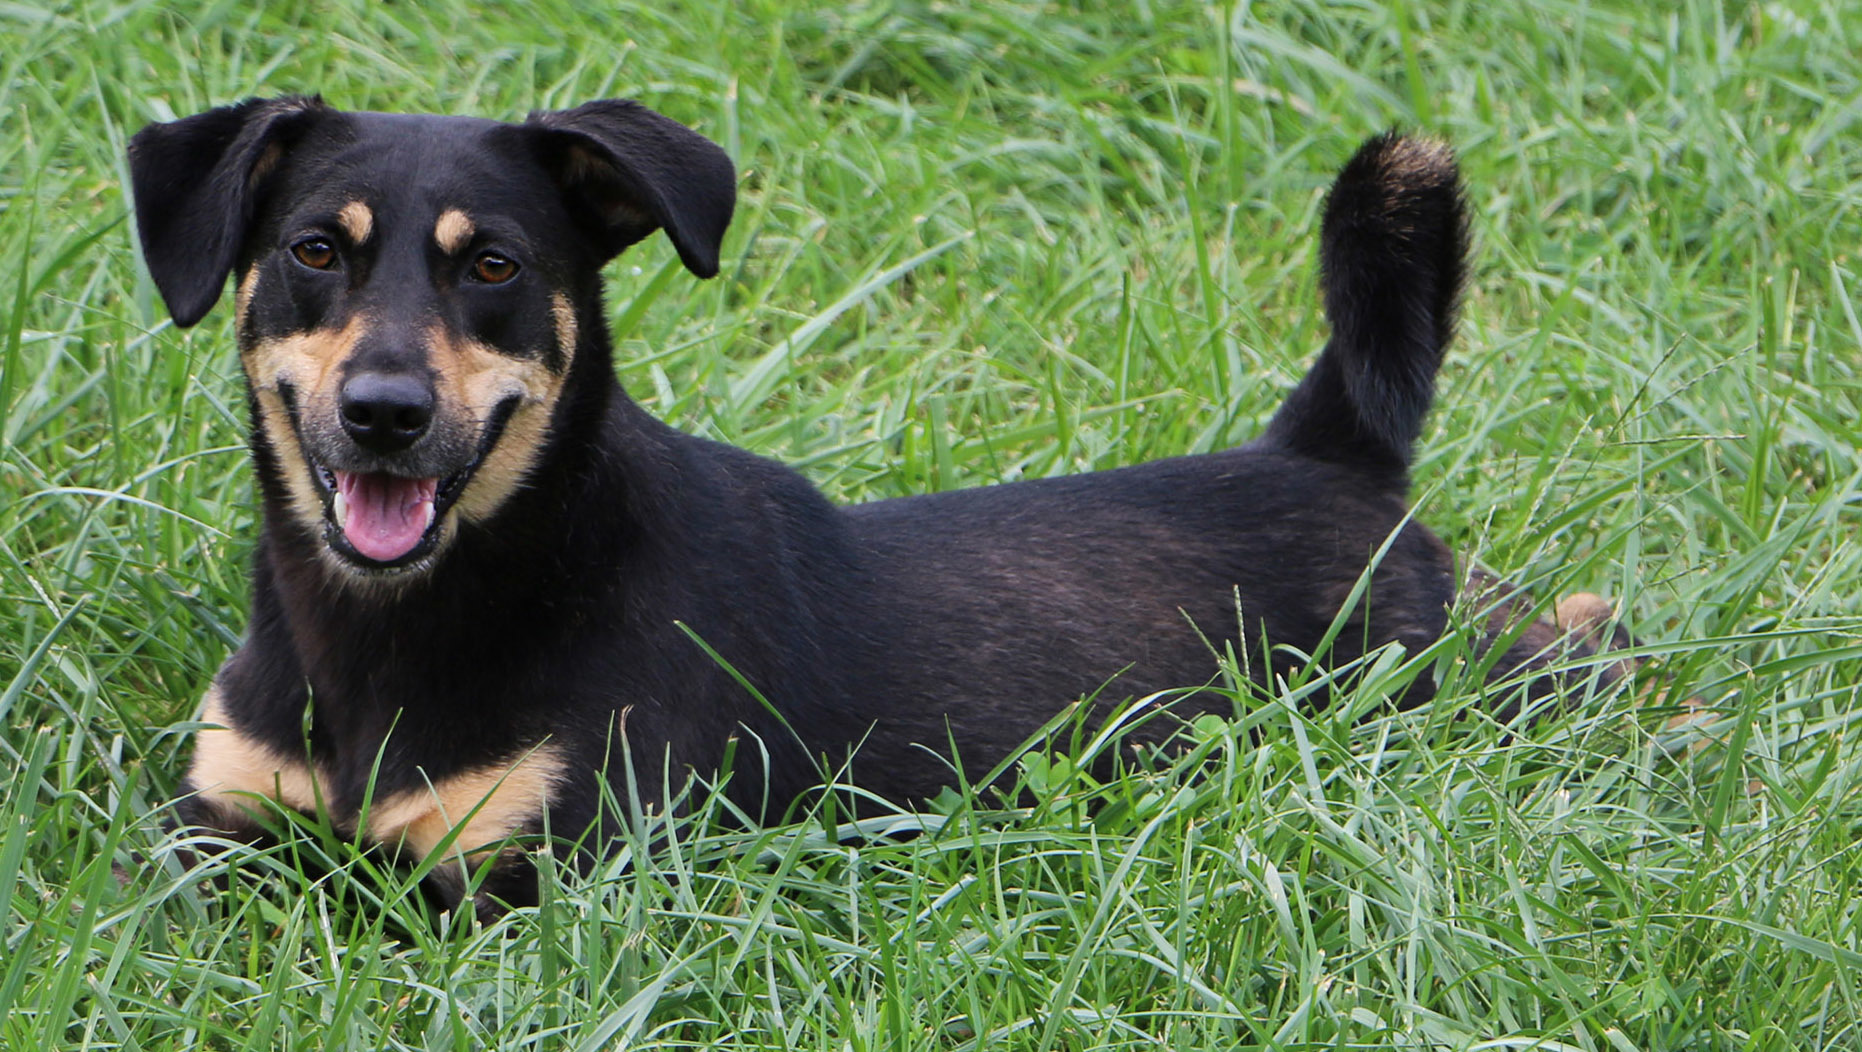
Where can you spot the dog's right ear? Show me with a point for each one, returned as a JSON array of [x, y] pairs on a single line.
[[195, 181]]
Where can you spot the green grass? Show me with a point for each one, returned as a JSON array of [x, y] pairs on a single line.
[[980, 242]]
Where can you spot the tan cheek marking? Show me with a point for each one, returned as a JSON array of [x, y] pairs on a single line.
[[242, 297], [306, 501], [309, 363], [566, 334], [453, 230], [358, 221], [486, 804], [228, 764], [480, 378], [306, 360]]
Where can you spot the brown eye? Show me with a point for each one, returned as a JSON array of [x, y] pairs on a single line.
[[315, 252], [493, 269]]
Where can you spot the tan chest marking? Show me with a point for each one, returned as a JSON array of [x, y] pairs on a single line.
[[228, 766], [485, 804]]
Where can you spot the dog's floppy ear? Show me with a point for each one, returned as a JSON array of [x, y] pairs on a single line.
[[637, 171], [195, 181]]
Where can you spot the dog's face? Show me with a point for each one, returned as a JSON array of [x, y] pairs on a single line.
[[406, 339], [411, 290]]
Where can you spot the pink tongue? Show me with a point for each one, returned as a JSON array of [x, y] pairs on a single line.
[[385, 515]]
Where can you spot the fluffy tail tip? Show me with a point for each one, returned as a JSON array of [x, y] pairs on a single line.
[[1391, 259], [1395, 227]]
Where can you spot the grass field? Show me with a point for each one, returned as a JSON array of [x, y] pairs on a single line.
[[979, 242]]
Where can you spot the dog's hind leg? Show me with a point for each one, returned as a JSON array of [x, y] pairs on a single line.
[[1541, 656]]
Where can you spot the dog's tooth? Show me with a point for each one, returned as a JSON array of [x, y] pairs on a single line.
[[427, 518], [340, 508]]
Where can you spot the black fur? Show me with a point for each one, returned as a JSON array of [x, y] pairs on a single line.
[[1393, 246], [900, 626], [632, 171]]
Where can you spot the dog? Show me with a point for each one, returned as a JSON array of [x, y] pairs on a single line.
[[487, 581]]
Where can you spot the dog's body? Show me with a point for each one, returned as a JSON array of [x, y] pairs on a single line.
[[484, 570]]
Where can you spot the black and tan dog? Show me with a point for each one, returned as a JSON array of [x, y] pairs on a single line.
[[478, 552]]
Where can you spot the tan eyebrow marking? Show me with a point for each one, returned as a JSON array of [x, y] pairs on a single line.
[[358, 221], [453, 230]]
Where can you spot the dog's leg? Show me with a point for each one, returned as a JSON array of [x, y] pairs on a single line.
[[1540, 651]]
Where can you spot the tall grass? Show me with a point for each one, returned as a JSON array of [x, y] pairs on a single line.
[[995, 241]]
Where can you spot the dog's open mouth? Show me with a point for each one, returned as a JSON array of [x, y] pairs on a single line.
[[382, 516], [383, 521]]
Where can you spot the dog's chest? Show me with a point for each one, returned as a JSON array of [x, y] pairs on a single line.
[[410, 776]]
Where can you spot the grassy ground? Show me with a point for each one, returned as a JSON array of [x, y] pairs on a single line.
[[982, 242]]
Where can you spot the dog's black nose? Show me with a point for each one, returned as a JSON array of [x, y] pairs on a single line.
[[385, 412]]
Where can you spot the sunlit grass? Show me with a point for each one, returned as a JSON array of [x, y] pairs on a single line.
[[996, 241]]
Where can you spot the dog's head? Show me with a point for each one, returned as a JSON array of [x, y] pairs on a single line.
[[412, 290]]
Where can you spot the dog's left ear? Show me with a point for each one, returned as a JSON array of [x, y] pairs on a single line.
[[636, 172], [195, 180]]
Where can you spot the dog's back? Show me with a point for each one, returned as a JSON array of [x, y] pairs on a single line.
[[1121, 583]]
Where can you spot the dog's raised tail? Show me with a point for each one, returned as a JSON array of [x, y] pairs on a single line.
[[1393, 248]]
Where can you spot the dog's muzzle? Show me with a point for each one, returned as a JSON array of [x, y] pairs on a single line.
[[385, 492]]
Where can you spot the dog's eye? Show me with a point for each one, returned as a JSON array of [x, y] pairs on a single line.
[[493, 269], [315, 252]]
